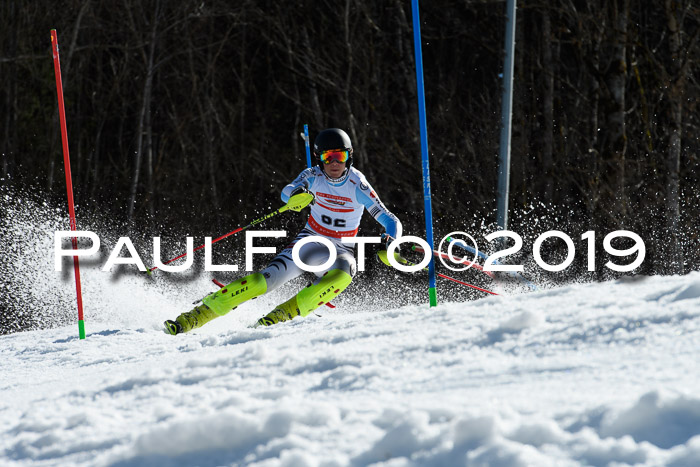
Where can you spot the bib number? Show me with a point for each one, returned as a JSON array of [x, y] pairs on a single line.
[[333, 222]]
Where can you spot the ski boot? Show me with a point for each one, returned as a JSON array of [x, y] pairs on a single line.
[[219, 303], [190, 320], [308, 299], [173, 327]]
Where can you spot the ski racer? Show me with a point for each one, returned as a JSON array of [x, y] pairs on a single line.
[[338, 194]]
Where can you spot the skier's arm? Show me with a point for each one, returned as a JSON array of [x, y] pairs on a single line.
[[305, 179], [376, 208]]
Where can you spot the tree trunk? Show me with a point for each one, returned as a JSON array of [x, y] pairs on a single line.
[[548, 108], [311, 74], [144, 115], [616, 148], [10, 124], [673, 159], [594, 182], [360, 155]]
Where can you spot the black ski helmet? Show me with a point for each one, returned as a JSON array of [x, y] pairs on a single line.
[[332, 138]]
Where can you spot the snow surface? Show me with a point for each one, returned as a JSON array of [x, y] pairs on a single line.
[[598, 374]]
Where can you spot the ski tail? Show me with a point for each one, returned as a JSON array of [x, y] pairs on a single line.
[[383, 256], [481, 254]]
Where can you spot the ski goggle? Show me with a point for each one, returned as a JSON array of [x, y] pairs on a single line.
[[335, 155]]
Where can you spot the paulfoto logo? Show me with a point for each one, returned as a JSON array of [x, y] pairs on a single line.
[[492, 263]]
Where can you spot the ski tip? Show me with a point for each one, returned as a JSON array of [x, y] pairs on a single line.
[[382, 255], [171, 327], [384, 258]]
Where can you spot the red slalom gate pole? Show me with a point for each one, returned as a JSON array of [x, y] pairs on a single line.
[[69, 181]]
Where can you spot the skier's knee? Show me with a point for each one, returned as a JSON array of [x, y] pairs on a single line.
[[345, 262]]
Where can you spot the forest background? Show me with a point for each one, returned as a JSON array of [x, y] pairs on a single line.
[[188, 113]]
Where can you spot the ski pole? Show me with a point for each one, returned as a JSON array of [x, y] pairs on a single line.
[[305, 136], [240, 229], [295, 203], [382, 254]]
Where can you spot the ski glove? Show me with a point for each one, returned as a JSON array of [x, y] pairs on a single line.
[[300, 198]]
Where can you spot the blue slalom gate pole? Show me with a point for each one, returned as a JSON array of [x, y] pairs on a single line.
[[424, 149], [308, 148]]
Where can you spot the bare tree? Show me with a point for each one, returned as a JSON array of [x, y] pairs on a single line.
[[144, 122], [677, 77]]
